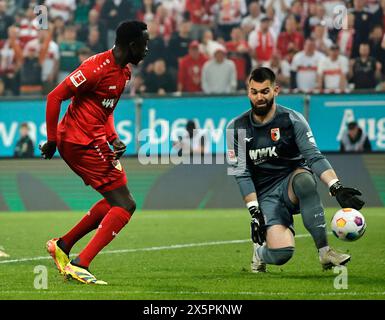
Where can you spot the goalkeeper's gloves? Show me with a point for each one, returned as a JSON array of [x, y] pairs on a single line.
[[48, 149], [119, 148], [258, 227], [346, 197]]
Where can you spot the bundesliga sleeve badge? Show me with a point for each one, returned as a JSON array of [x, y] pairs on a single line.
[[275, 134], [78, 78]]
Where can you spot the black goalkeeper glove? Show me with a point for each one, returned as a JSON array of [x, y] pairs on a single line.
[[346, 197], [48, 149], [119, 148], [258, 228]]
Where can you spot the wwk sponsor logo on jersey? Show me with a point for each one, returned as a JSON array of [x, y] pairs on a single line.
[[78, 78], [262, 154], [108, 103]]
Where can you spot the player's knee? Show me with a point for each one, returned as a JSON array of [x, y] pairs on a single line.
[[304, 184], [129, 205], [281, 255]]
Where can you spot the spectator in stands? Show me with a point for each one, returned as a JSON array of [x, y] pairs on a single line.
[[112, 13], [29, 27], [290, 38], [219, 74], [190, 69], [262, 42], [332, 71], [208, 44], [363, 20], [178, 45], [252, 20], [365, 71], [24, 146], [304, 67], [281, 7], [61, 8], [5, 20], [58, 27], [166, 22], [83, 7], [93, 23], [69, 47], [84, 53], [377, 45], [229, 16], [345, 37], [156, 48], [275, 23], [238, 51], [93, 41], [160, 81], [201, 16], [47, 52], [321, 38], [147, 12], [11, 60], [316, 14], [281, 68], [354, 139]]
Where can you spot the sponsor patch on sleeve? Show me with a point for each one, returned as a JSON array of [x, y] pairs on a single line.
[[78, 78]]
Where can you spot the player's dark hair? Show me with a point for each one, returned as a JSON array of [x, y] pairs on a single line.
[[129, 31], [262, 74]]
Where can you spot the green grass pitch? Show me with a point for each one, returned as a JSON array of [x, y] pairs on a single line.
[[197, 254]]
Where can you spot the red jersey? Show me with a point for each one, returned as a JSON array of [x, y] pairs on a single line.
[[96, 87], [190, 72]]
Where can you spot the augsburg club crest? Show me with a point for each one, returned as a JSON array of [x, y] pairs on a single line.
[[275, 134]]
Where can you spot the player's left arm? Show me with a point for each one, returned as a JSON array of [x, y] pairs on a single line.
[[346, 197], [113, 138]]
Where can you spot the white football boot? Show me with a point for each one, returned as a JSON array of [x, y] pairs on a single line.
[[257, 265]]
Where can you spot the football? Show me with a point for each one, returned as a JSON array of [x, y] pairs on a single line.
[[348, 224]]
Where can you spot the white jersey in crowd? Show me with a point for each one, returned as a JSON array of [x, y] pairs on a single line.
[[332, 71], [61, 8], [306, 68]]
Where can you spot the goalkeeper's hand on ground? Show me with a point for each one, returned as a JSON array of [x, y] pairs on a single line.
[[119, 148], [258, 228], [346, 197], [48, 149]]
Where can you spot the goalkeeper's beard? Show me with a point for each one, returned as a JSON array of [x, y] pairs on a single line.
[[262, 110]]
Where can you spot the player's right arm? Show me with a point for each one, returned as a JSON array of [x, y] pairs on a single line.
[[81, 80], [54, 99], [236, 158]]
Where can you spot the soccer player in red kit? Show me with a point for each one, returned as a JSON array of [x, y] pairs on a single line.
[[83, 139]]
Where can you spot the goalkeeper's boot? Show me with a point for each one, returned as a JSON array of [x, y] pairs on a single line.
[[257, 265], [80, 274], [58, 255], [332, 258]]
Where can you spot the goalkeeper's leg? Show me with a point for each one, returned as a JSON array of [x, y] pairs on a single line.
[[303, 189], [279, 246]]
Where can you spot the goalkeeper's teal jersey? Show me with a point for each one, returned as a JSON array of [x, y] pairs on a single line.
[[262, 155]]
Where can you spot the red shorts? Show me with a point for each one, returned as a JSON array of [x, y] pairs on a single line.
[[95, 164]]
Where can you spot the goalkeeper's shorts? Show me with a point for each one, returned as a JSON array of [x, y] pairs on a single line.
[[276, 206]]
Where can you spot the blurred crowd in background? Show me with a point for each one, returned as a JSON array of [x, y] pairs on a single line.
[[198, 46]]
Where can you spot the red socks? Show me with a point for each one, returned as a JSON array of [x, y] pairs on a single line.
[[88, 223], [109, 227]]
